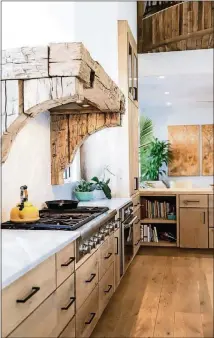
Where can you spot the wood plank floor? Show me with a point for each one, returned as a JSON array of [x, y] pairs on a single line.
[[166, 292]]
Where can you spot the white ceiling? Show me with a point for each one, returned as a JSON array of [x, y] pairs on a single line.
[[187, 77]]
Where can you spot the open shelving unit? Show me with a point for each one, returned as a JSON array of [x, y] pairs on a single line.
[[151, 207]]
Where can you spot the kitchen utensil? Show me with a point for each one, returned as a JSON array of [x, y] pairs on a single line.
[[24, 212], [62, 204]]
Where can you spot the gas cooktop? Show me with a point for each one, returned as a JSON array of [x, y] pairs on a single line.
[[55, 219]]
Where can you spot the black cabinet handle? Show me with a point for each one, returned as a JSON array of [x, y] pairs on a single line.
[[137, 242], [69, 304], [108, 256], [117, 252], [93, 314], [93, 275], [35, 289], [136, 183], [204, 220], [109, 288], [71, 259]]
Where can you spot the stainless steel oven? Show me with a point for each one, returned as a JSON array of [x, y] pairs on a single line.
[[127, 220]]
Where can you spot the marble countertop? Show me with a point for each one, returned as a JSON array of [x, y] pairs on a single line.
[[198, 191], [114, 203], [23, 250]]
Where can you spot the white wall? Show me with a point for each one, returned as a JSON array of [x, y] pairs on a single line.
[[38, 23], [165, 116]]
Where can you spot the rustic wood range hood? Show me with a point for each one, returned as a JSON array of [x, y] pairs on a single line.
[[63, 79]]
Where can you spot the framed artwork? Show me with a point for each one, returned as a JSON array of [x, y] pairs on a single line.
[[207, 132], [185, 142]]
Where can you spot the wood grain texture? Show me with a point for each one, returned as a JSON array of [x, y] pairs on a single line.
[[165, 293], [185, 148], [207, 134], [62, 74], [183, 26]]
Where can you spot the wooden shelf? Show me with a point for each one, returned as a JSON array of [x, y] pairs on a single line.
[[160, 243], [158, 220]]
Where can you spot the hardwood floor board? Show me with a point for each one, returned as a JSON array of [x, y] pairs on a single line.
[[188, 325], [164, 293]]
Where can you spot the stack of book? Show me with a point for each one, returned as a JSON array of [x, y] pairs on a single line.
[[157, 209], [149, 233]]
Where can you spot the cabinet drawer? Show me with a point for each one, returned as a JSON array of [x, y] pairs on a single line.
[[65, 298], [24, 295], [65, 263], [211, 238], [136, 236], [106, 251], [41, 323], [188, 201], [106, 288], [50, 318], [88, 315], [70, 330], [86, 278]]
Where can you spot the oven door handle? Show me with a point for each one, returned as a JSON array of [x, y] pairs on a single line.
[[131, 222]]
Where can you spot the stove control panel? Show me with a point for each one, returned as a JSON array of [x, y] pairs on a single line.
[[85, 247]]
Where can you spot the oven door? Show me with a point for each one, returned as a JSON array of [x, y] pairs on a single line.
[[127, 241]]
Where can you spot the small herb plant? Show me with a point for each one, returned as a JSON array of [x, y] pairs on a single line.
[[84, 186], [102, 185]]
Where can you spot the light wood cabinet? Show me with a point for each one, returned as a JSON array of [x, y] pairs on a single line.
[[87, 316], [136, 232], [193, 201], [24, 295], [117, 258], [133, 147], [194, 227], [211, 238], [106, 289], [211, 211], [87, 278], [41, 323], [65, 263], [128, 82], [70, 330], [106, 255]]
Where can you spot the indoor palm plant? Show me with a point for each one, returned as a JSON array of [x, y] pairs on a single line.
[[158, 154], [146, 137]]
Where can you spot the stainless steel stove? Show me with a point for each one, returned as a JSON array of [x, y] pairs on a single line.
[[55, 219], [92, 234]]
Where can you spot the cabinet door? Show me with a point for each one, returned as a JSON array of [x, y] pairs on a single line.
[[133, 147], [193, 228], [136, 232], [117, 252]]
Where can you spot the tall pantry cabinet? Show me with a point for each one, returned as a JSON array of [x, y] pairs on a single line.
[[128, 83]]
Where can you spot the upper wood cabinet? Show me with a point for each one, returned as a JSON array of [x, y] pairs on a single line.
[[128, 83], [128, 62]]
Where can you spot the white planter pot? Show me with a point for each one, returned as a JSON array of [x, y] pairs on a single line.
[[98, 195]]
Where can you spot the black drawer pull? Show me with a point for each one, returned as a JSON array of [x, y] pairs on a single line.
[[109, 288], [108, 256], [137, 242], [93, 275], [35, 289], [93, 314], [69, 304], [71, 259], [117, 252]]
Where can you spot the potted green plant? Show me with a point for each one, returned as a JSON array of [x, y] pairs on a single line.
[[101, 188], [157, 154], [84, 191]]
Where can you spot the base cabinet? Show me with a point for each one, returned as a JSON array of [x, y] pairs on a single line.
[[194, 228], [106, 289], [88, 315], [70, 330]]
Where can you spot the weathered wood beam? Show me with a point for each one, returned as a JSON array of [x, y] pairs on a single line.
[[68, 132], [180, 38]]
